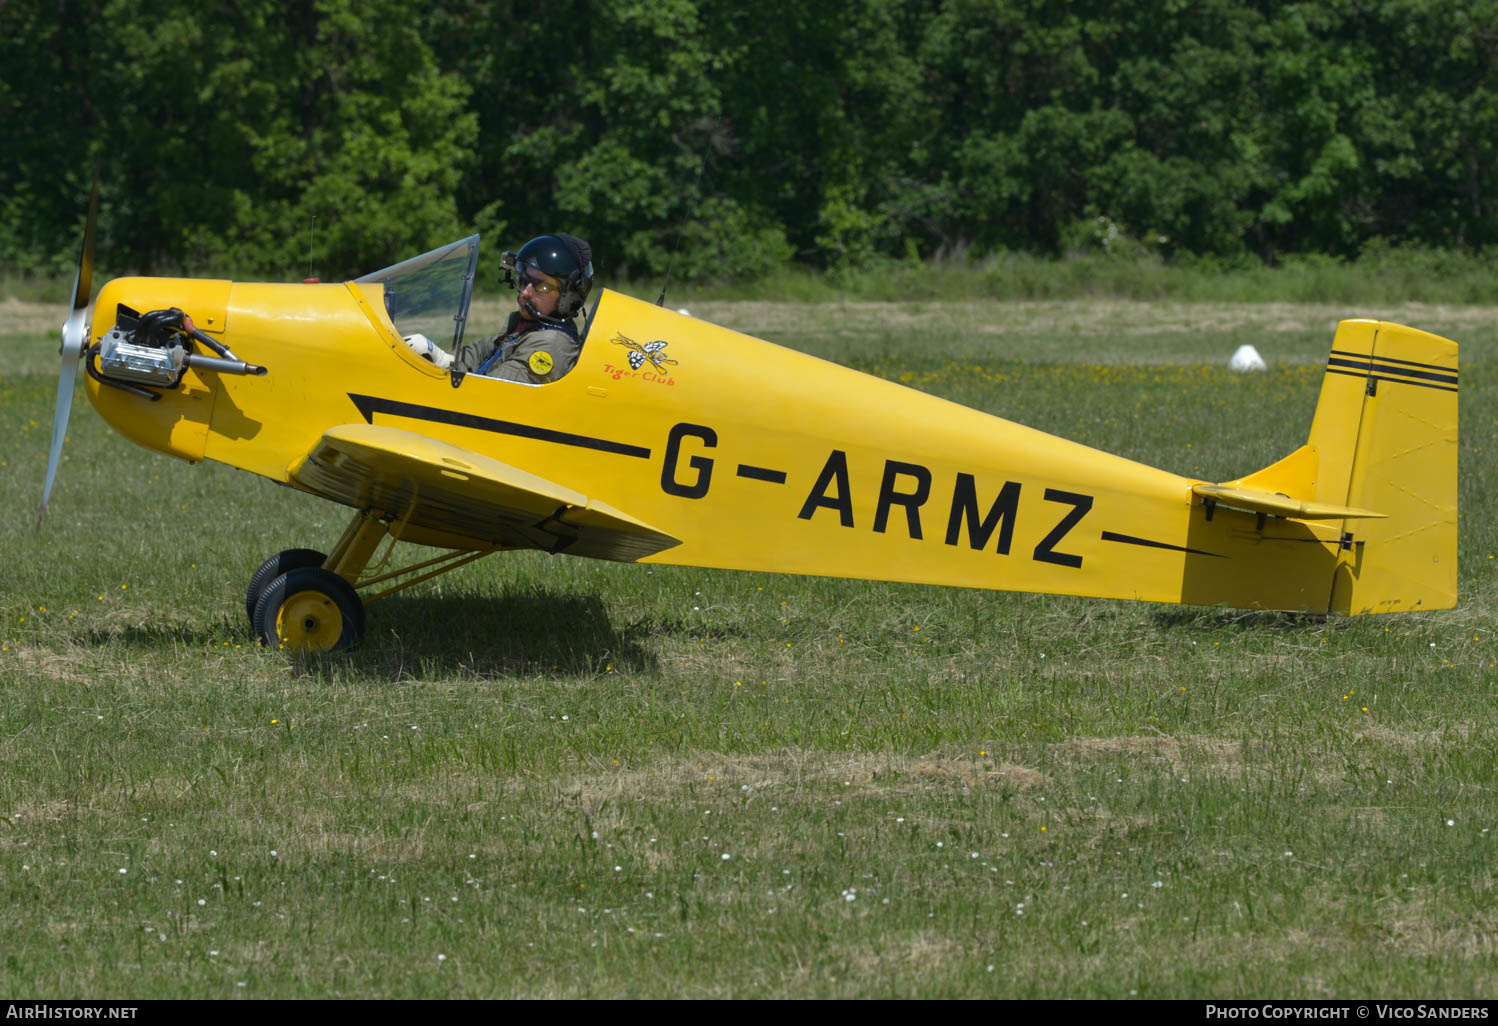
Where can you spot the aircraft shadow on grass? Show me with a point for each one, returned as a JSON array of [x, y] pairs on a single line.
[[1252, 620], [472, 634], [519, 633]]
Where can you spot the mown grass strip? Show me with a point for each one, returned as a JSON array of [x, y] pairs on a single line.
[[551, 777]]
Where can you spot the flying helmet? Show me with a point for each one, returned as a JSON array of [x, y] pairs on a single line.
[[564, 257]]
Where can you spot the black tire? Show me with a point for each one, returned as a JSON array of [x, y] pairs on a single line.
[[280, 563], [310, 610]]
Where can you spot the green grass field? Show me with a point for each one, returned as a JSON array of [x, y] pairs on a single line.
[[545, 777]]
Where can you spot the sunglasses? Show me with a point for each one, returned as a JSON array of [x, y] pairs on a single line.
[[543, 286]]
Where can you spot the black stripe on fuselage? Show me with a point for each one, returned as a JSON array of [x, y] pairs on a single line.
[[370, 405], [1129, 539]]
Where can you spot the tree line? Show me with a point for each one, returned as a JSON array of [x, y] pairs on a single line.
[[287, 137]]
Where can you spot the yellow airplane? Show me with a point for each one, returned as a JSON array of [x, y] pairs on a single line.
[[676, 441]]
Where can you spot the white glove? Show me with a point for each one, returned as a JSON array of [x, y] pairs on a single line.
[[423, 346]]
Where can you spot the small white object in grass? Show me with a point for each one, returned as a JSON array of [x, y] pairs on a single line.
[[1245, 359], [726, 856]]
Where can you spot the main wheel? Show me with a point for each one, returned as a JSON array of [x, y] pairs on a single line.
[[280, 563], [310, 610]]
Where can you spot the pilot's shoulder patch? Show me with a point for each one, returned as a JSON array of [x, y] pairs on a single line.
[[540, 362]]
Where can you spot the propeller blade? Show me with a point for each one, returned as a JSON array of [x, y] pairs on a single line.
[[74, 334]]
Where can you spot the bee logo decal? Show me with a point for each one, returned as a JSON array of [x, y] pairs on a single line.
[[654, 352]]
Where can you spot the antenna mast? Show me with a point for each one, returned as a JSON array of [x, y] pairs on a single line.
[[311, 278]]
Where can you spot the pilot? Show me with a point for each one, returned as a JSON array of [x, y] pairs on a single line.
[[540, 343]]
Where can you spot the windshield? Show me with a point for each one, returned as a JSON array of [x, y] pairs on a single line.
[[429, 294]]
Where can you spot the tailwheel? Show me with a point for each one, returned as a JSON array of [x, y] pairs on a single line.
[[309, 609], [275, 566]]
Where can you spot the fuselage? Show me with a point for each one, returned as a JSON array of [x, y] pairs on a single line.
[[756, 456]]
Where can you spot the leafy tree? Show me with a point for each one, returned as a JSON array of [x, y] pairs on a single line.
[[363, 132], [833, 134]]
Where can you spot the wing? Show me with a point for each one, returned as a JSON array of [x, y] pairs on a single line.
[[446, 495]]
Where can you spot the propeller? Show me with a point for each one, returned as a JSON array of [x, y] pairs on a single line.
[[74, 334]]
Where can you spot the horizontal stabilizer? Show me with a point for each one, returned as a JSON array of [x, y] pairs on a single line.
[[1278, 505], [439, 493]]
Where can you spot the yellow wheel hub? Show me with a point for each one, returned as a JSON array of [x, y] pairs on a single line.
[[309, 621]]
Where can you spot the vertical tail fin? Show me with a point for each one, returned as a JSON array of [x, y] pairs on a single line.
[[1384, 439]]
